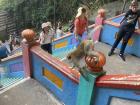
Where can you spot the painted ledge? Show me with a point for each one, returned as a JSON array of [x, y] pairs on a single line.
[[119, 81], [19, 54], [56, 63], [111, 81]]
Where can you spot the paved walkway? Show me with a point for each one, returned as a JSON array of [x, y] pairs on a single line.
[[32, 93], [29, 92], [115, 65]]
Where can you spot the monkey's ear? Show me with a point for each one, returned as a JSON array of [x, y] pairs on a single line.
[[69, 57]]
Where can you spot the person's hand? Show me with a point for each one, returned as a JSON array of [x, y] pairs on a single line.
[[52, 39], [76, 36], [137, 31]]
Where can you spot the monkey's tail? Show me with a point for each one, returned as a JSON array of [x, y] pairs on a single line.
[[93, 31]]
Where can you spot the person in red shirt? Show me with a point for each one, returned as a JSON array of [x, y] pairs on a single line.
[[80, 24]]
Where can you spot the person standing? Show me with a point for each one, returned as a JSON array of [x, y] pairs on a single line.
[[127, 28], [59, 32], [3, 50], [46, 36], [80, 24]]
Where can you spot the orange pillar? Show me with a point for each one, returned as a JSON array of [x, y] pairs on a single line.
[[27, 43], [26, 59]]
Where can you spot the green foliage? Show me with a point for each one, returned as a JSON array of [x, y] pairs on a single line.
[[31, 13], [2, 37]]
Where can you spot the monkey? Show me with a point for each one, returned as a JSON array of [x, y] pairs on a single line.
[[86, 48]]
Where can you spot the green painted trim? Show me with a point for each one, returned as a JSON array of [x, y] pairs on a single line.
[[86, 88]]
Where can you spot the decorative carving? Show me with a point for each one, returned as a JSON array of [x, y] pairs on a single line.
[[95, 63], [94, 60], [28, 34]]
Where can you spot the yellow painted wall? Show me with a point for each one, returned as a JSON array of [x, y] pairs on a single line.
[[61, 44], [53, 78]]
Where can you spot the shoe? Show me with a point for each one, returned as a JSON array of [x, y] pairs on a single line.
[[110, 53], [122, 57]]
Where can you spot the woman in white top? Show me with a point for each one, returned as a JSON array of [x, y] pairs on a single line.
[[59, 32], [46, 36]]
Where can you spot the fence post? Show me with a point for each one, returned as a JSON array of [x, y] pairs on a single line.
[[86, 89], [87, 82], [27, 43]]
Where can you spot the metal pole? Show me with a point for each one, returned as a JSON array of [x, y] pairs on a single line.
[[54, 16], [124, 4], [0, 76], [0, 82]]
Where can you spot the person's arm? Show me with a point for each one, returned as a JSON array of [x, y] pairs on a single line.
[[41, 38], [127, 13], [86, 24], [138, 30], [91, 26], [122, 20], [139, 19], [76, 28]]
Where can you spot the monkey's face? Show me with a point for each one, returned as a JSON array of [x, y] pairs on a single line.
[[89, 46], [69, 57]]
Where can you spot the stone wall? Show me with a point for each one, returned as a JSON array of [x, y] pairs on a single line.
[[111, 9]]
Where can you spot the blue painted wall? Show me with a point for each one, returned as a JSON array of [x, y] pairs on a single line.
[[108, 36], [68, 93], [70, 39], [13, 67], [118, 19], [103, 96], [18, 50]]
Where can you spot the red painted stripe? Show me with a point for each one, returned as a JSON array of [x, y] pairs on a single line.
[[111, 81], [56, 63], [13, 57], [119, 81], [110, 22], [115, 17], [64, 36]]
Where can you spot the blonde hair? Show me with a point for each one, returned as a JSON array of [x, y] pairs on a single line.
[[101, 12], [134, 3], [80, 11], [46, 25]]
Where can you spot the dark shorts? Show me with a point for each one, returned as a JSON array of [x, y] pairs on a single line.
[[47, 47]]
